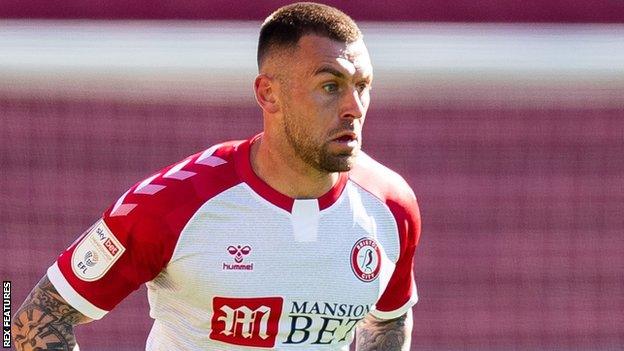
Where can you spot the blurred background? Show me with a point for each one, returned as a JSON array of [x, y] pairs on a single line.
[[506, 117]]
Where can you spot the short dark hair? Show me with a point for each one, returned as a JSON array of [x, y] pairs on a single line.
[[284, 27]]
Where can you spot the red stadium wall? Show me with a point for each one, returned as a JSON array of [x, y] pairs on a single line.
[[522, 208], [527, 11]]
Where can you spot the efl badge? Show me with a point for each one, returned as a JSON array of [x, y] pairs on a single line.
[[366, 259], [96, 253]]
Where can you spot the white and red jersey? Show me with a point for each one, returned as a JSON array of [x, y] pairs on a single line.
[[232, 264]]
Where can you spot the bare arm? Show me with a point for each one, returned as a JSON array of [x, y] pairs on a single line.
[[384, 335], [45, 321]]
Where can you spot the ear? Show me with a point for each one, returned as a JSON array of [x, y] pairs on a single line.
[[266, 96]]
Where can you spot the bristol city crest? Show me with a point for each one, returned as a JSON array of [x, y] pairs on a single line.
[[366, 259]]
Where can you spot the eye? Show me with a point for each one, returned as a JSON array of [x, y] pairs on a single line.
[[361, 87], [330, 87]]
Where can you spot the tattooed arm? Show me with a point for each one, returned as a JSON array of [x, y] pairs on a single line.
[[45, 321], [375, 334]]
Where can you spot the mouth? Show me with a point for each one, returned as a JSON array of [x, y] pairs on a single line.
[[346, 138]]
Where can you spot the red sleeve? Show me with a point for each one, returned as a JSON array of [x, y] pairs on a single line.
[[127, 247], [135, 238], [400, 294]]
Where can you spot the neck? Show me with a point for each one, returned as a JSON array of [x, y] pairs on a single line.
[[279, 167]]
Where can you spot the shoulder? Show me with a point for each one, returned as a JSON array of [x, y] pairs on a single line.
[[138, 234], [171, 196], [392, 190], [381, 181]]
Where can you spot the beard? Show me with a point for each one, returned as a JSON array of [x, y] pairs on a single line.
[[316, 153]]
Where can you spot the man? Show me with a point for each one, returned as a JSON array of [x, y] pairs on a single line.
[[293, 239]]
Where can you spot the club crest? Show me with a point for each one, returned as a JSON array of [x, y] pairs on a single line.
[[366, 259]]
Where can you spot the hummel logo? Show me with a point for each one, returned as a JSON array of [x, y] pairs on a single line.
[[238, 252]]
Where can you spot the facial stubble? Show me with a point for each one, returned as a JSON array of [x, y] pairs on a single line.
[[314, 153]]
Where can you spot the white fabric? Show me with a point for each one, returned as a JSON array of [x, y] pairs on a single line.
[[71, 296], [303, 257], [399, 311], [305, 217]]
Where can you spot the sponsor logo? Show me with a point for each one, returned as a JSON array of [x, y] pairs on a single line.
[[322, 323], [96, 253], [366, 259], [111, 247], [246, 321], [238, 253]]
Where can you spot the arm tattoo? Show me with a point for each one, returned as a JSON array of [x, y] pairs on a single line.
[[384, 335], [45, 321]]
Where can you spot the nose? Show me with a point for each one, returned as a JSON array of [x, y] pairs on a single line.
[[352, 105]]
